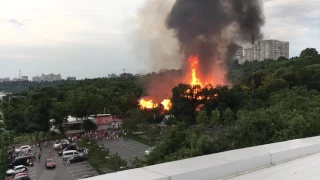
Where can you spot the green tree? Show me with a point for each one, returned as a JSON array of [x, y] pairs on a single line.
[[308, 52], [228, 116], [202, 118]]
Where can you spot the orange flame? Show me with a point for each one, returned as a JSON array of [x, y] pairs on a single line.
[[194, 61], [149, 104], [167, 104], [145, 104]]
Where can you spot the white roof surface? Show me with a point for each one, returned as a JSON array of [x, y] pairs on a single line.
[[295, 159], [303, 168]]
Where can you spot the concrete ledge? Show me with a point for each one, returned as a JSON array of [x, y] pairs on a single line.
[[224, 164]]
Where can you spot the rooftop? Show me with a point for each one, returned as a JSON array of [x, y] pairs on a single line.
[[295, 159]]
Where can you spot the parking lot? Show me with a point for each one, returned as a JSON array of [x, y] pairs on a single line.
[[77, 170], [127, 149], [61, 172]]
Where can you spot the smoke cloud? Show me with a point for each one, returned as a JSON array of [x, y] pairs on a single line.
[[208, 28], [154, 44], [173, 30]]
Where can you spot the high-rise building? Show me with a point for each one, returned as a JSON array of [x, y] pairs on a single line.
[[72, 78], [239, 54], [267, 49]]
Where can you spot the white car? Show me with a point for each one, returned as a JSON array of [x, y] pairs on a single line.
[[56, 145], [24, 149], [147, 152], [16, 170]]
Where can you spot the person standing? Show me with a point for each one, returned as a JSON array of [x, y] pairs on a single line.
[[39, 157]]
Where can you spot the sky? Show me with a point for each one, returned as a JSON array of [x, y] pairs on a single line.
[[90, 39]]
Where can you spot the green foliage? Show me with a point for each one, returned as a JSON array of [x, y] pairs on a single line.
[[88, 125], [137, 163], [202, 118], [309, 52], [171, 121]]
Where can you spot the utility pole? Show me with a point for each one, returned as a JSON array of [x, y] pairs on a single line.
[[124, 70]]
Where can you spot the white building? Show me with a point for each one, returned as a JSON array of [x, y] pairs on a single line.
[[24, 78], [36, 79], [4, 80], [267, 49], [49, 78]]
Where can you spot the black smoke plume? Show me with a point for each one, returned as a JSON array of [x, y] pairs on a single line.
[[209, 28]]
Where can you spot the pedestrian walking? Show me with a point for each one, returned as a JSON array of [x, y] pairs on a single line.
[[50, 151], [39, 157]]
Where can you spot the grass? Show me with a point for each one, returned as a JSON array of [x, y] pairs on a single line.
[[141, 140]]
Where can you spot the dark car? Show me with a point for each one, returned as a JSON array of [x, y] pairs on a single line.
[[50, 163], [68, 148], [21, 176], [21, 160], [77, 158], [62, 146]]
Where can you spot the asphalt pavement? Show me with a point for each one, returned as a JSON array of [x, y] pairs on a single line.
[[61, 172], [127, 149]]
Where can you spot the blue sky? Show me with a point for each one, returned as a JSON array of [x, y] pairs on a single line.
[[90, 39]]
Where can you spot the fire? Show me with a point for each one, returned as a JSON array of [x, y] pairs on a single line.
[[147, 104], [194, 61], [166, 104]]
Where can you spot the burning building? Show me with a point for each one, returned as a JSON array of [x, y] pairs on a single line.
[[206, 32]]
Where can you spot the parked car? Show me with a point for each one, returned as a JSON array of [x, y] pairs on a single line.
[[69, 154], [50, 163], [16, 170], [147, 152], [77, 158], [86, 176], [23, 149], [21, 176], [21, 160], [63, 142], [68, 148]]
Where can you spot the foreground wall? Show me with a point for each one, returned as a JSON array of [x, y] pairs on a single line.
[[222, 165]]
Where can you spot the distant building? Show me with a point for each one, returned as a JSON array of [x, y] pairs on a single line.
[[15, 79], [4, 80], [239, 54], [112, 75], [36, 79], [24, 78], [72, 78], [267, 49]]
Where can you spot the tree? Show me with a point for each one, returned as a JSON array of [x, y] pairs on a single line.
[[216, 118], [308, 52], [88, 125], [202, 118], [137, 163], [115, 163], [171, 121], [228, 116]]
